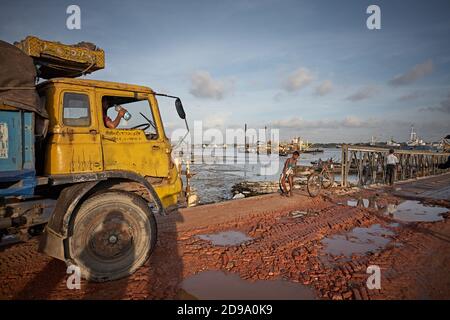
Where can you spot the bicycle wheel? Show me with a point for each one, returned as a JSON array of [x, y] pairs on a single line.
[[314, 185]]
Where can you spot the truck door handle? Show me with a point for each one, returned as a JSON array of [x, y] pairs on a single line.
[[93, 132], [156, 148], [113, 139]]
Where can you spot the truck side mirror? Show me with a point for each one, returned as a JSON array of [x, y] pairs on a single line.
[[180, 109]]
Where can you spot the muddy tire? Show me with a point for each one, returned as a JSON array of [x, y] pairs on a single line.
[[314, 184], [327, 179], [113, 234]]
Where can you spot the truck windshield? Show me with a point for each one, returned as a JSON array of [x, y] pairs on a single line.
[[139, 117]]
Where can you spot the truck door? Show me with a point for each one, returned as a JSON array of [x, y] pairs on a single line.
[[76, 145], [138, 145]]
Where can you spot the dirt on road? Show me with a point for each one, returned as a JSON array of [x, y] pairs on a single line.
[[298, 247]]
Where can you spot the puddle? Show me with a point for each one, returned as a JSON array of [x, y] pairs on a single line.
[[365, 203], [414, 211], [218, 285], [358, 241], [394, 225], [226, 238]]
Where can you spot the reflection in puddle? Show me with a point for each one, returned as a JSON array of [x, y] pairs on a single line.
[[414, 211], [210, 285], [226, 238], [358, 241], [394, 225], [365, 203]]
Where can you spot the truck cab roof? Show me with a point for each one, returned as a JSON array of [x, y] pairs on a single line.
[[96, 83]]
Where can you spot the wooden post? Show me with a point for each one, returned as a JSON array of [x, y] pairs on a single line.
[[246, 147], [343, 159]]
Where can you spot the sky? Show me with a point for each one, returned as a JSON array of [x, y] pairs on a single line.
[[308, 68]]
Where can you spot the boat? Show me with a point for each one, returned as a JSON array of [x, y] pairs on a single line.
[[312, 150], [392, 143], [414, 140]]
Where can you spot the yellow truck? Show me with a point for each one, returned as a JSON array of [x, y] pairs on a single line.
[[93, 190]]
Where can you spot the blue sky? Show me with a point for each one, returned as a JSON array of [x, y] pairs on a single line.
[[309, 68]]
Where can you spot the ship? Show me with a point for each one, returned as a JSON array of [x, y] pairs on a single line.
[[415, 143], [414, 140], [392, 143]]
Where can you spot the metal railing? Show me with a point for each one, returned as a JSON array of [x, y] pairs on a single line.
[[369, 163]]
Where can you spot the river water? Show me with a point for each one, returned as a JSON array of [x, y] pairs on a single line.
[[217, 169]]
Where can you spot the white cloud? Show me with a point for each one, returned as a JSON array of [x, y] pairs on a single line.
[[417, 72], [347, 122], [298, 80], [204, 86], [216, 120], [324, 88], [363, 93]]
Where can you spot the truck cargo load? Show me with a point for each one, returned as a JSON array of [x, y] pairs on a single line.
[[17, 81], [32, 58], [54, 59]]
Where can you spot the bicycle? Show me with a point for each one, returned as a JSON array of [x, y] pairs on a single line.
[[322, 176]]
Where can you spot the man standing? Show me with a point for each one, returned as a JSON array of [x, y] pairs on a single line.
[[392, 161], [288, 174]]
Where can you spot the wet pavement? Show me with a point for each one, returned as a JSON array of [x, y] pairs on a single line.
[[415, 211], [437, 187], [357, 241], [211, 285]]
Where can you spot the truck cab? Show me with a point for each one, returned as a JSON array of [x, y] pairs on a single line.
[[90, 189], [79, 143]]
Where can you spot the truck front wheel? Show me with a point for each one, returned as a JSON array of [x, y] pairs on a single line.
[[113, 234]]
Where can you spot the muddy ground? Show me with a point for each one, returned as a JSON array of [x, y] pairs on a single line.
[[280, 248]]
